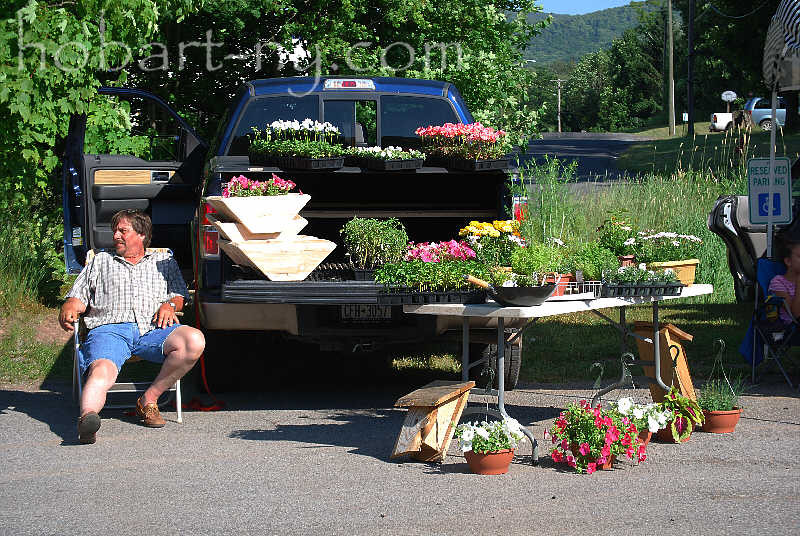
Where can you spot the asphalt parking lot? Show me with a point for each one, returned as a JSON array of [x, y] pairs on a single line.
[[316, 461]]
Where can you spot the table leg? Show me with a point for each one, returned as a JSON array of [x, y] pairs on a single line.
[[464, 349]]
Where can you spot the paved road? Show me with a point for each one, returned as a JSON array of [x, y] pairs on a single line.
[[316, 461], [596, 154]]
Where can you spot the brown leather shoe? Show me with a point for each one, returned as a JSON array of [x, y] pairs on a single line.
[[149, 415], [88, 425]]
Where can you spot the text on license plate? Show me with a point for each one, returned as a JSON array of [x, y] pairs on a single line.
[[362, 312]]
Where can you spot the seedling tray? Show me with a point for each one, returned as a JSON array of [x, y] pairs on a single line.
[[423, 298], [627, 290]]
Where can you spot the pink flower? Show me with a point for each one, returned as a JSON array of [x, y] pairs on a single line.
[[571, 460], [607, 421], [612, 434], [557, 456], [564, 444], [606, 451], [584, 449], [591, 467], [626, 440]]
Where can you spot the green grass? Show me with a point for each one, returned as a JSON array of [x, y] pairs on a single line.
[[662, 132], [25, 359], [716, 152]]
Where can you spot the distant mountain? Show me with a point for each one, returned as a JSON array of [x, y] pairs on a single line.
[[570, 37]]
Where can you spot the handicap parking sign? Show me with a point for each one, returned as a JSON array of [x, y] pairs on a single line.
[[763, 206], [758, 185]]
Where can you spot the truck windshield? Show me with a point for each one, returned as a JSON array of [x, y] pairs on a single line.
[[262, 111], [401, 115]]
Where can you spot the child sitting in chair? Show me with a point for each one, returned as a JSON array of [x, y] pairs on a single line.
[[785, 286]]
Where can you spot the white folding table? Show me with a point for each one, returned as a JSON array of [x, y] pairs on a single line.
[[550, 307]]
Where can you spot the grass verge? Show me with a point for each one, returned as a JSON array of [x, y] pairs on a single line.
[[714, 152]]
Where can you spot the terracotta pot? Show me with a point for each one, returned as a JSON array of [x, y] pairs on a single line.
[[563, 282], [721, 422], [491, 463], [626, 260], [665, 435], [645, 436], [609, 463]]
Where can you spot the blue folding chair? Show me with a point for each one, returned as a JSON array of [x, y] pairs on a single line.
[[768, 337]]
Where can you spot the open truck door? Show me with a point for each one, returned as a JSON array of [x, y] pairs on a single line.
[[163, 179]]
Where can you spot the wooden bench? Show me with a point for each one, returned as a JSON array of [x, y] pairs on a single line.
[[432, 412]]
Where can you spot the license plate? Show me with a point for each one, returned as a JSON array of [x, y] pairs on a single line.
[[361, 312]]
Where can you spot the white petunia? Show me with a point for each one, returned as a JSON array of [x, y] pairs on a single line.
[[624, 405], [638, 412], [653, 424], [482, 432]]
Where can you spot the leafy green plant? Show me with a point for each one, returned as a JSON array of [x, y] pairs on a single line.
[[665, 246], [686, 414], [617, 234], [373, 242], [537, 258], [489, 436], [421, 276], [720, 395], [592, 258]]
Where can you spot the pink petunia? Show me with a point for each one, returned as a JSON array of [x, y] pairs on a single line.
[[591, 467], [584, 449], [557, 456], [571, 460]]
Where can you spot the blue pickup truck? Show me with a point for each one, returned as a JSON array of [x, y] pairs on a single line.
[[329, 308]]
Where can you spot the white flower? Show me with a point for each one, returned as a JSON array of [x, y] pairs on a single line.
[[642, 266], [481, 431], [653, 424], [676, 243], [467, 434], [629, 242], [638, 412], [624, 405], [557, 241]]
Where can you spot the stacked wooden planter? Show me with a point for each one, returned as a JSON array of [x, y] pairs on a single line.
[[262, 232]]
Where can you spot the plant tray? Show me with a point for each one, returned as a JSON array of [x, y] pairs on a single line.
[[263, 159], [477, 165], [312, 164], [362, 274], [391, 165], [421, 298], [627, 290]]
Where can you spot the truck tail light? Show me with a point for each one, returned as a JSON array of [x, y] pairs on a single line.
[[206, 210], [210, 241], [714, 118]]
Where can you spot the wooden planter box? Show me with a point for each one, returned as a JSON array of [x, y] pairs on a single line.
[[261, 214], [237, 232], [280, 260]]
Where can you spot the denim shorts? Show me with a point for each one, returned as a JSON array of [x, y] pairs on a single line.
[[117, 342]]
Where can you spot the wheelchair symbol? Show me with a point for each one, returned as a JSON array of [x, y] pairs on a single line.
[[763, 208]]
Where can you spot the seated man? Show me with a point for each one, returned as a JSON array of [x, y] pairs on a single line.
[[132, 298]]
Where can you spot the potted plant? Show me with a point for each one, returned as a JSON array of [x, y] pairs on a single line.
[[439, 251], [470, 147], [662, 250], [588, 439], [639, 281], [618, 236], [493, 242], [686, 414], [719, 400], [385, 159], [648, 418], [489, 446], [372, 242], [591, 258], [303, 144], [261, 206]]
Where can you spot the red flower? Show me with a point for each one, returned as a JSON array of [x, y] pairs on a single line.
[[557, 456]]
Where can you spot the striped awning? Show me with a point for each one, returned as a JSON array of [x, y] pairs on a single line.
[[781, 64]]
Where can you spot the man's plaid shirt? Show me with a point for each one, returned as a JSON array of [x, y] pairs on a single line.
[[117, 291]]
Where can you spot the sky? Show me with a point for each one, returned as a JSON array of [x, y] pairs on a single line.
[[579, 7]]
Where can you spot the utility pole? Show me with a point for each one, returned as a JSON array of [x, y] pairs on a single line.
[[559, 102], [671, 81], [690, 77]]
